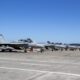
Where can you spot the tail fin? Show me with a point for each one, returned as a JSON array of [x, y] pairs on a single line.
[[2, 39]]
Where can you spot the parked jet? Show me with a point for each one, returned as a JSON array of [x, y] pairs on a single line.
[[55, 46], [18, 45], [73, 47]]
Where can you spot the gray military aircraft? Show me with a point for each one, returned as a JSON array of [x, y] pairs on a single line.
[[21, 45], [55, 46], [73, 47]]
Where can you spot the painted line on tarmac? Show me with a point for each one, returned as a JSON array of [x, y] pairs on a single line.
[[14, 59], [36, 64], [49, 72], [52, 62]]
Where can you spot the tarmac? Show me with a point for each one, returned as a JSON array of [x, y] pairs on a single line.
[[56, 65]]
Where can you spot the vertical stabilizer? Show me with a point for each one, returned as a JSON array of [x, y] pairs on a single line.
[[2, 40]]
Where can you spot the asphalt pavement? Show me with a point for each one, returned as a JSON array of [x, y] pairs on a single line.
[[56, 65]]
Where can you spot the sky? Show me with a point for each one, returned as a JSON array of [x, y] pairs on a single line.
[[41, 20]]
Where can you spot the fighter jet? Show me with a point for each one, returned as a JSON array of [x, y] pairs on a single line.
[[20, 44], [73, 46], [55, 47]]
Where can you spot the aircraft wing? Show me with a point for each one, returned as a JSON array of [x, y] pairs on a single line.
[[15, 45]]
